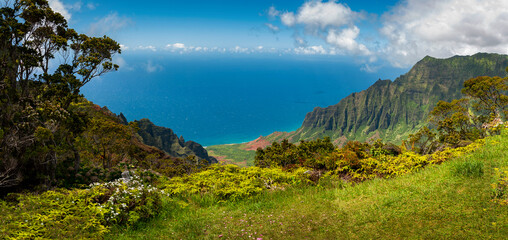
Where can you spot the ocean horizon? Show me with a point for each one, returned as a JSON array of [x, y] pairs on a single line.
[[229, 98]]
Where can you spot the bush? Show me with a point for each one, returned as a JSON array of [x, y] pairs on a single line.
[[77, 213], [127, 201], [60, 214], [230, 182]]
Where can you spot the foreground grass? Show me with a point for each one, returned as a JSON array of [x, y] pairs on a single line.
[[450, 201]]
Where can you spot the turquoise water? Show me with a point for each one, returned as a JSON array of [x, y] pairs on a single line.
[[219, 99]]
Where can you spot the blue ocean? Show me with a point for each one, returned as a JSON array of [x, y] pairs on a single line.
[[228, 98]]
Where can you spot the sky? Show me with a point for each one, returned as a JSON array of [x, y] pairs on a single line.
[[374, 33]]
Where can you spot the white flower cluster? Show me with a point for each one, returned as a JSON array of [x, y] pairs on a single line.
[[126, 194]]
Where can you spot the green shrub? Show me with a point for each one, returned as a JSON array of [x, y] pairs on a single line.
[[126, 201], [77, 213], [60, 214]]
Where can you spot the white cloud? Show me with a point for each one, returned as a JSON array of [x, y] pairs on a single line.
[[108, 24], [91, 6], [149, 47], [299, 41], [324, 14], [120, 61], [288, 19], [180, 47], [76, 6], [150, 67], [331, 21], [346, 39], [311, 50], [272, 27], [59, 7], [369, 68], [442, 28], [272, 12], [239, 49]]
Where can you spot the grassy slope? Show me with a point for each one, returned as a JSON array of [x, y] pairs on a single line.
[[433, 203], [232, 154]]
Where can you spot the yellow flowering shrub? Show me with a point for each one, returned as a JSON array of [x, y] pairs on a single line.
[[407, 162], [230, 182]]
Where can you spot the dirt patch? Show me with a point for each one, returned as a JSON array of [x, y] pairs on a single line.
[[340, 141], [374, 137], [221, 159], [260, 142]]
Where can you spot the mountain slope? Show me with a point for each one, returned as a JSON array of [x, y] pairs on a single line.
[[391, 110], [166, 140]]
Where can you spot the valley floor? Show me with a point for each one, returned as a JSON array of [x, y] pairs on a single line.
[[449, 201]]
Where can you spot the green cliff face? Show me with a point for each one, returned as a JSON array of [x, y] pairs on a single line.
[[166, 140], [391, 110]]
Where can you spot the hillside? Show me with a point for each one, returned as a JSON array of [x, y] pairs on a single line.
[[391, 110], [449, 201], [166, 140]]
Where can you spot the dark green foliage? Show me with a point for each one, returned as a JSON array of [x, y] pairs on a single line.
[[38, 124], [422, 142], [454, 122], [287, 154], [379, 148], [460, 122], [488, 93]]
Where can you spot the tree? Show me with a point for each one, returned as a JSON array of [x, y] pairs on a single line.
[[32, 97], [488, 96], [454, 122], [108, 138], [422, 142]]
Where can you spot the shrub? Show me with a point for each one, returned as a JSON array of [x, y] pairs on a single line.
[[230, 182], [126, 201], [77, 213], [60, 214], [286, 154]]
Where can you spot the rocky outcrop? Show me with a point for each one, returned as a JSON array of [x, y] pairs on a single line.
[[166, 140]]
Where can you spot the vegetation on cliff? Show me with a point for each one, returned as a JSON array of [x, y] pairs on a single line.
[[166, 140], [391, 110]]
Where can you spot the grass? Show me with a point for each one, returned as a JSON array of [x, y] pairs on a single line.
[[448, 201], [233, 153]]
